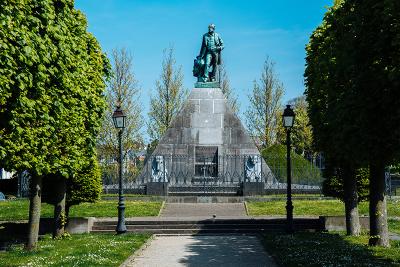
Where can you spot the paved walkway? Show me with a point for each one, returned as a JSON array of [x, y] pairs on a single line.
[[202, 250], [209, 251], [203, 209]]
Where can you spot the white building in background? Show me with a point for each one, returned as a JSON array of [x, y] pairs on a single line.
[[5, 174]]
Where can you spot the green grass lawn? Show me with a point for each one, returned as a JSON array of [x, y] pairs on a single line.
[[79, 250], [19, 209], [313, 208], [329, 249]]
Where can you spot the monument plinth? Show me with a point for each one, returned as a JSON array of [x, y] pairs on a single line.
[[206, 150], [206, 85]]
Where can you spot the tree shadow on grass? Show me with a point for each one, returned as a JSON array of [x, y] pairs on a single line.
[[328, 249], [16, 232], [12, 233]]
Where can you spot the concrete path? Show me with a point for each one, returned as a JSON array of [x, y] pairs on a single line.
[[209, 251], [203, 209]]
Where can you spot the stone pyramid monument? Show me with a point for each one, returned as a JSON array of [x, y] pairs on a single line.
[[206, 150]]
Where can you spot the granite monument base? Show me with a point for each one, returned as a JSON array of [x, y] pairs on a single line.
[[253, 188], [205, 151], [157, 188]]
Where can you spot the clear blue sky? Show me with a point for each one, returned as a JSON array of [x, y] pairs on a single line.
[[251, 30]]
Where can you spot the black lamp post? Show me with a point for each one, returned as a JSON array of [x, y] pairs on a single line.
[[119, 119], [288, 121]]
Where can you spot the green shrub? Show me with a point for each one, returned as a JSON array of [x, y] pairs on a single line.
[[333, 184], [85, 186], [303, 171], [395, 168]]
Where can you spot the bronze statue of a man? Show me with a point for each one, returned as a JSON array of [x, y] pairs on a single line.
[[205, 65]]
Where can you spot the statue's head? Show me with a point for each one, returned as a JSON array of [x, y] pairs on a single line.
[[211, 28]]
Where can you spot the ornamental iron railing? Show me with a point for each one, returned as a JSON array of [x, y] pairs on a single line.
[[224, 173]]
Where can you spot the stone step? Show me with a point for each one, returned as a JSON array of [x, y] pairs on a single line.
[[204, 190], [209, 226], [299, 221], [194, 231], [199, 194], [207, 188], [204, 227]]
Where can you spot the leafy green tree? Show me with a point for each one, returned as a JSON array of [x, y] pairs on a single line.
[[377, 84], [301, 135], [263, 114], [333, 184], [122, 89], [323, 78], [169, 97], [352, 81], [51, 98], [85, 185]]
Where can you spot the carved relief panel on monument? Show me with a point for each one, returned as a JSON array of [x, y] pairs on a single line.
[[158, 169]]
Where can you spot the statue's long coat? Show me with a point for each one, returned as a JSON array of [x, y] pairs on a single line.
[[218, 43]]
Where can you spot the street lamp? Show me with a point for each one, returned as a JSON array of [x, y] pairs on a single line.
[[119, 119], [288, 121]]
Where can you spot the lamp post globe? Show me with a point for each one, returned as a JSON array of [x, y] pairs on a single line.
[[288, 117], [288, 122], [119, 119]]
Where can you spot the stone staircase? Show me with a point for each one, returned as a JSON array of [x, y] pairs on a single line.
[[208, 226], [204, 190]]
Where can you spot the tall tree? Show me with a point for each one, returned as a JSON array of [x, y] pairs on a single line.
[[324, 77], [352, 81], [122, 89], [51, 98], [377, 82], [302, 140], [262, 116], [169, 96], [225, 85]]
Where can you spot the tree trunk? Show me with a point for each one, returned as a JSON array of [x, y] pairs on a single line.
[[59, 209], [353, 226], [379, 235], [34, 211], [67, 207]]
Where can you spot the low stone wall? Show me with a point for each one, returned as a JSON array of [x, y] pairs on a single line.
[[77, 225], [80, 225], [338, 223]]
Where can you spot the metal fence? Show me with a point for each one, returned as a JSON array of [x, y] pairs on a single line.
[[219, 173], [180, 176], [23, 184]]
